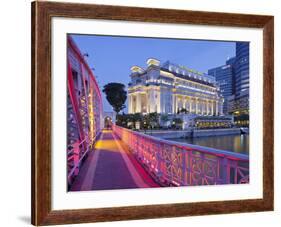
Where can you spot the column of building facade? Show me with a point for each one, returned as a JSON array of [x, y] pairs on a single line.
[[176, 104], [193, 105], [173, 103], [130, 103], [189, 104], [147, 103], [212, 107], [220, 108], [157, 101], [179, 103], [208, 107], [151, 101], [202, 107], [138, 103], [196, 105], [216, 107], [184, 102]]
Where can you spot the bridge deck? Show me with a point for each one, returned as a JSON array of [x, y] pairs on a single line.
[[111, 166]]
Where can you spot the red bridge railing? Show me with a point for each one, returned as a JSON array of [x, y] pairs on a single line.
[[84, 109], [174, 163]]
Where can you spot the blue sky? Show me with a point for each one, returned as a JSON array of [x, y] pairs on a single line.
[[113, 56]]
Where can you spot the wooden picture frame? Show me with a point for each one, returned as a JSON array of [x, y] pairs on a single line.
[[42, 13]]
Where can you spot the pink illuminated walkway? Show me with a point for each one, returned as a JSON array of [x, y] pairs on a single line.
[[111, 166]]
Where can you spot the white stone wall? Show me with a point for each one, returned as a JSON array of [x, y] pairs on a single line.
[[151, 94]]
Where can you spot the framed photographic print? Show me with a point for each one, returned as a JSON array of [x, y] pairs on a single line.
[[144, 113]]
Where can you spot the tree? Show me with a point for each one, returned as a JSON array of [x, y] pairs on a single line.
[[115, 95], [177, 123], [182, 110], [164, 118], [129, 120], [151, 120]]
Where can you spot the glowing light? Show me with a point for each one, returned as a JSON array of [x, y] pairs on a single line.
[[152, 61]]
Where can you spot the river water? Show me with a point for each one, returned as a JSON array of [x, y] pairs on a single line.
[[234, 143]]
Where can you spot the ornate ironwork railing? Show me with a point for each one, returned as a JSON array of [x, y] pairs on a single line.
[[75, 155], [173, 163], [84, 109]]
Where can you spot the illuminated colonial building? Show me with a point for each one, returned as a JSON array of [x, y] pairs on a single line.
[[169, 89]]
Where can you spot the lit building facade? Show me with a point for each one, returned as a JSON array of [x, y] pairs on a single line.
[[238, 104], [169, 89], [213, 122], [242, 67]]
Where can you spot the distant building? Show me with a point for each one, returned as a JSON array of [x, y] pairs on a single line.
[[197, 121], [225, 78], [233, 79], [214, 122], [239, 103], [170, 89], [242, 67], [109, 118]]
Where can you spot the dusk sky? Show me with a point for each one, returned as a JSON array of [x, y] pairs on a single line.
[[112, 57]]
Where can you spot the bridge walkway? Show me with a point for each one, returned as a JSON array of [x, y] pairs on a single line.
[[111, 166]]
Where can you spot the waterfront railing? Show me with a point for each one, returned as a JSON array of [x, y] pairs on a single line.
[[179, 164]]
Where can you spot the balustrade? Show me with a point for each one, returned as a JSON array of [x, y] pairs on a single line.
[[174, 163]]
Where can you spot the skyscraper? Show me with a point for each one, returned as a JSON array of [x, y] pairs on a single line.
[[233, 79], [241, 68], [238, 104], [225, 78]]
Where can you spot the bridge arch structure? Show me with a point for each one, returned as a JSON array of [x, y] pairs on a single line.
[[84, 109]]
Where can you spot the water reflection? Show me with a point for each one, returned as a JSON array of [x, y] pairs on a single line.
[[235, 143]]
